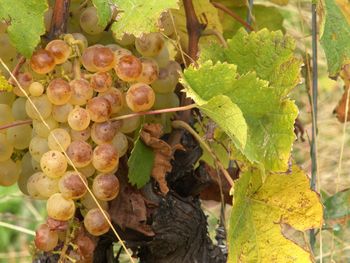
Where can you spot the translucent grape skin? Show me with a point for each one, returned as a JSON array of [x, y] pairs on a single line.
[[99, 109], [81, 91], [104, 132], [45, 238], [89, 21], [89, 203], [79, 118], [128, 68], [19, 136], [41, 129], [53, 164], [104, 59], [19, 109], [149, 71], [37, 147], [42, 104], [88, 170], [105, 186], [6, 148], [6, 114], [101, 81], [36, 89], [105, 158], [95, 223], [25, 79], [120, 143], [83, 135], [166, 82], [42, 185], [80, 153], [32, 188], [115, 98], [59, 91], [149, 45], [42, 61], [9, 172], [87, 58], [131, 124], [71, 185], [60, 50], [60, 208], [140, 97], [60, 112], [63, 138]]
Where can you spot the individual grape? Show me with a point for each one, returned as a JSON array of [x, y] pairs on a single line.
[[86, 246], [89, 203], [19, 136], [105, 158], [35, 165], [41, 129], [81, 91], [57, 225], [71, 185], [32, 185], [36, 89], [42, 61], [7, 98], [140, 97], [6, 114], [89, 21], [149, 71], [101, 81], [80, 153], [105, 186], [120, 143], [104, 59], [53, 164], [42, 104], [60, 112], [25, 80], [26, 171], [128, 68], [95, 223], [59, 91], [37, 147], [163, 57], [60, 50], [104, 132], [82, 40], [88, 170], [174, 68], [87, 58], [126, 39], [79, 118], [120, 52], [149, 45], [45, 186], [19, 109], [83, 135], [115, 98], [45, 238], [131, 124], [166, 82], [99, 109], [6, 148], [60, 208], [166, 100], [63, 138], [166, 24], [65, 69], [9, 172]]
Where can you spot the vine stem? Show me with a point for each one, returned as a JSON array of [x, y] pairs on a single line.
[[183, 125], [14, 124], [152, 112], [16, 69], [59, 18]]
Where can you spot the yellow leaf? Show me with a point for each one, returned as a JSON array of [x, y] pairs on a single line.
[[259, 211]]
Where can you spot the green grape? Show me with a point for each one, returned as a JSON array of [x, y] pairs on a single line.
[[80, 153], [59, 139], [42, 61], [166, 24], [26, 171], [126, 40], [103, 132], [7, 98], [174, 68], [101, 81], [36, 89], [105, 186], [131, 124], [6, 148], [19, 109], [82, 40], [105, 158], [6, 114], [45, 238], [115, 98], [149, 45], [83, 135], [53, 164], [128, 68], [95, 223], [59, 91], [60, 208], [71, 185], [89, 21], [60, 50], [88, 170], [41, 129], [60, 112], [88, 202], [45, 185], [79, 118], [42, 104], [9, 172], [149, 72], [37, 147], [140, 97], [163, 57], [81, 91], [166, 82], [166, 100], [19, 136], [120, 143], [32, 186], [99, 109], [35, 166]]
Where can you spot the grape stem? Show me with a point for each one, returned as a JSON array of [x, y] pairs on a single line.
[[59, 18], [14, 124], [152, 112], [16, 69]]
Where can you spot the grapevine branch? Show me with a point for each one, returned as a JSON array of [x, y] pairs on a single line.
[[59, 18]]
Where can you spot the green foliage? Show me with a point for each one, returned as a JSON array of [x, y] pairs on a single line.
[[26, 19], [337, 206], [4, 84], [104, 11], [260, 209], [335, 38]]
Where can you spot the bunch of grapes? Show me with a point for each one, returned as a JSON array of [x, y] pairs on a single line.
[[72, 93]]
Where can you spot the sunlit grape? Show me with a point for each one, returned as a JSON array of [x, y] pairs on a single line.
[[99, 109], [149, 45], [101, 81], [59, 49], [9, 172], [42, 61], [25, 79], [42, 104], [59, 139], [60, 208], [71, 185], [53, 164], [36, 89], [37, 147], [81, 91], [115, 98], [140, 97], [105, 186], [80, 153], [45, 238], [128, 68], [59, 91], [95, 222], [79, 119], [105, 158], [83, 135], [104, 132], [149, 72]]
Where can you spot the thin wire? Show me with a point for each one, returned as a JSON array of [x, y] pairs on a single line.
[[249, 14]]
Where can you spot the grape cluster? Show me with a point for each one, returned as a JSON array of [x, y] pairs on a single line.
[[72, 92]]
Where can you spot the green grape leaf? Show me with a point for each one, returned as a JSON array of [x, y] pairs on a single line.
[[139, 17], [140, 164], [335, 38], [104, 11], [269, 54], [260, 209], [257, 119], [4, 84], [26, 23], [337, 206]]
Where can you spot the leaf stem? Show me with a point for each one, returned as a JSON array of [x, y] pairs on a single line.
[[59, 18], [14, 124]]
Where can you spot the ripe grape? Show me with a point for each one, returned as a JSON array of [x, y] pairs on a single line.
[[32, 188], [105, 186], [60, 112], [36, 89], [37, 147], [105, 158], [25, 80], [59, 91], [79, 119], [19, 136], [119, 52], [19, 109], [71, 185], [36, 165], [9, 172], [88, 170], [149, 72], [45, 238], [174, 68], [89, 203], [60, 208], [115, 98], [60, 50], [82, 40], [162, 58], [60, 135], [140, 97], [80, 153], [166, 82], [120, 143], [103, 132], [53, 164], [89, 21], [128, 68], [45, 186], [42, 104], [103, 59], [149, 45], [95, 223], [6, 114], [83, 135], [42, 61], [41, 129], [81, 91], [6, 148], [87, 58], [131, 124], [99, 109], [101, 81]]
